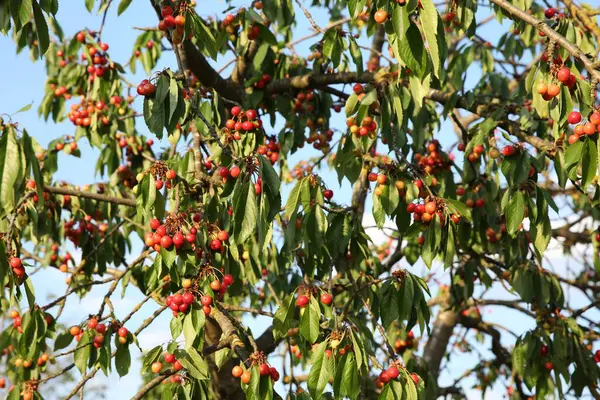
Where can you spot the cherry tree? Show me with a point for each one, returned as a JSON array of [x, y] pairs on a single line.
[[233, 225]]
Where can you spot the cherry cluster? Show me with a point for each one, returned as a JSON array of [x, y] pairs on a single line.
[[401, 345], [17, 267], [258, 360], [434, 160], [99, 61], [146, 88], [162, 239], [475, 155], [175, 363], [180, 303], [81, 114], [425, 211], [270, 150], [263, 81], [304, 102], [303, 300], [367, 126], [242, 122], [581, 129], [170, 21], [320, 140]]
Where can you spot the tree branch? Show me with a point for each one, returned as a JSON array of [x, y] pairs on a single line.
[[551, 34], [88, 195]]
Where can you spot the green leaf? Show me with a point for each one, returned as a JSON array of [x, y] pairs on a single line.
[[192, 325], [388, 304], [122, 360], [431, 24], [320, 372], [589, 162], [24, 108], [41, 28], [293, 200], [193, 362], [21, 11], [245, 211], [29, 292], [411, 50], [35, 166], [356, 54], [309, 321], [82, 352], [515, 211], [458, 207], [123, 6], [11, 169], [350, 386], [173, 99], [400, 21], [154, 117], [62, 341], [176, 326], [284, 317]]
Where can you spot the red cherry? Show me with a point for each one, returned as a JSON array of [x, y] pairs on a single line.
[[574, 118], [190, 237], [358, 88], [177, 365], [393, 372], [247, 126], [372, 177], [550, 12], [166, 242], [235, 171], [302, 301], [222, 235], [549, 366], [328, 194], [228, 279], [236, 110], [166, 10], [563, 75], [264, 370], [508, 151], [215, 244], [274, 374], [544, 350], [183, 308], [595, 118], [92, 323], [101, 328], [169, 21], [159, 184], [123, 332], [206, 310], [384, 377], [415, 378], [16, 263], [169, 358], [223, 172], [178, 239], [251, 114], [188, 298], [206, 300], [326, 299], [161, 230]]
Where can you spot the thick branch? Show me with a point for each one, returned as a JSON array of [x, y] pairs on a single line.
[[551, 34], [88, 195]]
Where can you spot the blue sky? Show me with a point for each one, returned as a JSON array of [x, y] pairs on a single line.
[[22, 83]]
